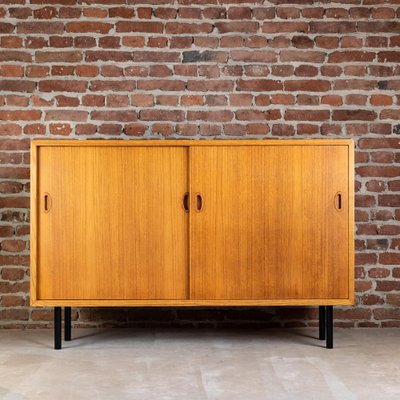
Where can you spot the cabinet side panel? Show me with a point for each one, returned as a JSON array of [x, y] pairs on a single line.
[[269, 228], [116, 228], [33, 223]]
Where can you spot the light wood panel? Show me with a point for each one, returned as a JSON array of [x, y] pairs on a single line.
[[269, 228], [116, 228], [110, 277]]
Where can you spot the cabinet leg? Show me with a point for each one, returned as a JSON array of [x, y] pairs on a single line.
[[57, 328], [329, 327], [322, 322], [67, 323]]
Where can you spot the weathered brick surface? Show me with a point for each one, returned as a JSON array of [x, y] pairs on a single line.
[[206, 68]]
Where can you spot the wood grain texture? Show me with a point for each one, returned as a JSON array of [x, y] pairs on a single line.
[[269, 228], [101, 284], [116, 228], [189, 303], [191, 143]]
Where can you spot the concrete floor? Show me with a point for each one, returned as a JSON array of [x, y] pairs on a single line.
[[193, 364]]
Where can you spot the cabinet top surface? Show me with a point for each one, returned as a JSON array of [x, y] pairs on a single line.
[[188, 143]]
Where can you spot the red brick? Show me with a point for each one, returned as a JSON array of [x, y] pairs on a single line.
[[284, 27], [306, 70], [110, 129], [375, 186], [87, 71], [165, 13], [117, 100], [109, 42], [166, 100], [351, 56], [60, 41], [388, 200], [108, 55], [333, 27], [389, 259], [45, 13], [142, 100], [85, 129], [117, 86], [20, 115], [210, 85], [180, 42], [94, 12], [257, 70], [161, 115], [179, 28], [379, 26], [13, 55], [307, 85], [112, 71], [62, 86], [239, 13], [213, 116], [14, 246], [133, 41], [66, 115], [305, 56], [60, 129], [346, 115], [254, 56], [58, 56], [87, 26], [380, 171], [387, 286], [155, 56], [307, 115], [130, 26], [381, 100], [190, 13], [332, 100], [243, 26], [144, 12], [11, 42], [62, 70], [162, 84], [393, 299], [303, 42], [259, 85], [120, 116], [121, 12], [135, 129], [381, 143], [40, 27], [241, 100], [256, 115], [351, 42], [93, 100], [263, 100], [35, 129]]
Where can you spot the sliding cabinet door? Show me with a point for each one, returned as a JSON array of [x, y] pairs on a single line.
[[271, 222], [111, 223]]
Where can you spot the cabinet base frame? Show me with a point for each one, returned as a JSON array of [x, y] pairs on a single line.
[[325, 325]]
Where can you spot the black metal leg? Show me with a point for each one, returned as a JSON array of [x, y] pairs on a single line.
[[322, 322], [67, 323], [329, 327], [57, 328]]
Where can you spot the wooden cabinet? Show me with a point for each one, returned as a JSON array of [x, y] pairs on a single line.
[[247, 222]]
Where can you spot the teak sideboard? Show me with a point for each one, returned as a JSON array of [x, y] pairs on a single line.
[[192, 223]]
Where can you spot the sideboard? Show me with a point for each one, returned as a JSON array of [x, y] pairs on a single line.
[[192, 223]]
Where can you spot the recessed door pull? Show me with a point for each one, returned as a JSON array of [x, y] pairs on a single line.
[[338, 201], [199, 202], [47, 202], [185, 202]]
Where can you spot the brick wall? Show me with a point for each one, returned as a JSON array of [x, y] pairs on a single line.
[[205, 68]]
